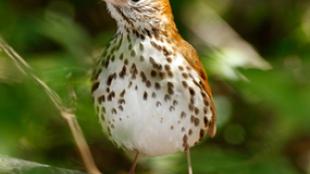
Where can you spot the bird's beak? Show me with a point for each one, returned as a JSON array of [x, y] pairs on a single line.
[[117, 2]]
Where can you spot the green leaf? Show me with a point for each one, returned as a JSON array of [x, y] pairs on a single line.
[[16, 166]]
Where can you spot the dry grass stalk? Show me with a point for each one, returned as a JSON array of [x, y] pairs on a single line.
[[65, 112]]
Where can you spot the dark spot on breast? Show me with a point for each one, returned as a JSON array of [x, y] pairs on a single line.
[[112, 58], [133, 53], [145, 95], [96, 74], [153, 73], [106, 63], [109, 132], [155, 32], [141, 47], [103, 109], [155, 64], [107, 90], [156, 46], [157, 85], [206, 102], [190, 132], [148, 83], [114, 111], [184, 83], [167, 67], [170, 88], [143, 76], [110, 78], [185, 138], [141, 58], [134, 71], [205, 121], [196, 110], [102, 117], [121, 57], [191, 91], [181, 68], [169, 59], [126, 62], [122, 94], [101, 99], [167, 98], [95, 86], [161, 75], [185, 75], [183, 114], [170, 74], [203, 94], [166, 52], [205, 110], [120, 107], [197, 84], [121, 101], [183, 129], [148, 33], [123, 72], [130, 84], [191, 107], [201, 134], [175, 102], [195, 120], [111, 96]]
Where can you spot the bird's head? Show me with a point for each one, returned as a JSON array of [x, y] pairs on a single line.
[[140, 14]]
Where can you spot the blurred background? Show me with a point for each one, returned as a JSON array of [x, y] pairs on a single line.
[[256, 52]]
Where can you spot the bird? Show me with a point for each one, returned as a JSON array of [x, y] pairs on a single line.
[[149, 86]]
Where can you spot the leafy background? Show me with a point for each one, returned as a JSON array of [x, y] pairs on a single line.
[[255, 51]]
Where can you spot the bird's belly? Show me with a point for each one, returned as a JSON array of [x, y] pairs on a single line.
[[143, 124], [150, 118], [138, 118], [150, 105]]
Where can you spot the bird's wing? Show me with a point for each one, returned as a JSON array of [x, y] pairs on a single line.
[[192, 58]]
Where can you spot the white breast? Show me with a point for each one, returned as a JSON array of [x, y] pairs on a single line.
[[146, 111]]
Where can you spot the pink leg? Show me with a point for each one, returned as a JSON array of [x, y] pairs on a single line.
[[189, 161], [134, 165]]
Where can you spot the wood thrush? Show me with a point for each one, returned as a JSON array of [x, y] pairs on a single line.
[[149, 87]]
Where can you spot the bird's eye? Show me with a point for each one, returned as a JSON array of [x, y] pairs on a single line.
[[135, 1]]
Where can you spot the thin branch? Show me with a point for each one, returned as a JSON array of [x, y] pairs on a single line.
[[64, 111]]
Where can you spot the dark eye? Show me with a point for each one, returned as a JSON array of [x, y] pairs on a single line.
[[135, 1]]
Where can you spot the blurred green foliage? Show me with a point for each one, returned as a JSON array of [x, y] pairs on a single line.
[[264, 116]]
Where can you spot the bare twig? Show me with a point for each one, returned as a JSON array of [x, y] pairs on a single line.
[[65, 112]]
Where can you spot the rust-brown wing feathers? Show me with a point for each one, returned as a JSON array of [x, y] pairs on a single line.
[[192, 58]]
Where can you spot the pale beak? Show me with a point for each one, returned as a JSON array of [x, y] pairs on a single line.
[[117, 2]]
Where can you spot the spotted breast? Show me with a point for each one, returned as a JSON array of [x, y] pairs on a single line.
[[149, 87]]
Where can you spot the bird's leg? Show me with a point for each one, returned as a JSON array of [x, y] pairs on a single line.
[[133, 167], [189, 161]]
